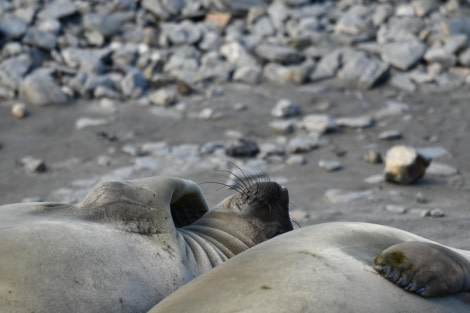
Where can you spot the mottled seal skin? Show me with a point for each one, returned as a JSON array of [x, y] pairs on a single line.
[[329, 268], [128, 244]]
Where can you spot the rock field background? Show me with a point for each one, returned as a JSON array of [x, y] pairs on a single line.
[[301, 90]]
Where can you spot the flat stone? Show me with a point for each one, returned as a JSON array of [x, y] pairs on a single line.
[[184, 33], [381, 14], [402, 82], [440, 169], [403, 165], [248, 74], [163, 97], [455, 26], [90, 61], [285, 108], [282, 127], [290, 74], [58, 10], [342, 196], [296, 160], [89, 122], [433, 152], [41, 39], [104, 24], [270, 149], [375, 179], [390, 135], [456, 43], [133, 84], [330, 166], [41, 90], [437, 212], [327, 66], [12, 71], [355, 122], [352, 24], [13, 28], [403, 55], [440, 55], [392, 108], [280, 54], [395, 209], [301, 144], [320, 123]]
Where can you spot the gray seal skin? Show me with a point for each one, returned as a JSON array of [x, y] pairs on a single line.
[[335, 268], [128, 244]]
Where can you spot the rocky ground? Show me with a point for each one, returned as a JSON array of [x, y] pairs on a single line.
[[301, 90]]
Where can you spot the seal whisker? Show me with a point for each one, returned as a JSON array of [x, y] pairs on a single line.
[[235, 188], [239, 180]]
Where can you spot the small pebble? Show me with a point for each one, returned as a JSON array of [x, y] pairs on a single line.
[[296, 160], [437, 213], [390, 135], [330, 166], [420, 198], [373, 157], [19, 110], [33, 165], [396, 209]]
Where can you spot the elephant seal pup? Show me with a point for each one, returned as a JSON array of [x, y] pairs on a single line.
[[128, 244], [330, 268]]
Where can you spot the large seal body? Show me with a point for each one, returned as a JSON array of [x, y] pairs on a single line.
[[321, 268], [120, 250]]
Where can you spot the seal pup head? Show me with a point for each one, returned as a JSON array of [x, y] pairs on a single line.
[[257, 212]]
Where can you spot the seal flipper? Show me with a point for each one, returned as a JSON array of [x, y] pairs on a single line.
[[424, 268], [146, 206]]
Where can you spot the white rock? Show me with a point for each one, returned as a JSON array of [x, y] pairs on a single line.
[[301, 145], [390, 135], [296, 160], [330, 166], [395, 209], [319, 122], [285, 108], [355, 122], [89, 122], [440, 169]]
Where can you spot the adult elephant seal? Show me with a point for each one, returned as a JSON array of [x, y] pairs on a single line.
[[128, 244], [332, 268]]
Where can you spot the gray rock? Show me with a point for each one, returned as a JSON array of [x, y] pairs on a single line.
[[58, 10], [390, 135], [13, 28], [342, 196], [12, 71], [263, 27], [104, 24], [355, 122], [270, 149], [421, 198], [352, 24], [319, 123], [373, 157], [296, 160], [285, 108], [236, 53], [85, 122], [455, 26], [456, 43], [210, 147], [433, 152], [90, 61], [464, 57], [6, 94], [403, 55], [282, 127], [440, 55], [33, 165], [133, 84], [279, 54], [163, 97], [290, 74], [440, 169], [242, 148], [364, 72], [395, 209], [301, 144], [327, 66], [381, 14], [250, 74], [403, 82], [12, 49], [375, 179], [40, 39], [438, 212], [424, 7], [330, 166], [184, 33], [40, 90]]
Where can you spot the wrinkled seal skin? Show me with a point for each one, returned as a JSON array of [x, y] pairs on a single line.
[[128, 244], [329, 268]]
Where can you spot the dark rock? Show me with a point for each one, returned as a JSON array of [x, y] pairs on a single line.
[[242, 148]]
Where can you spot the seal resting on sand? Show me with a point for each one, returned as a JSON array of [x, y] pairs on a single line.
[[335, 268], [128, 244]]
